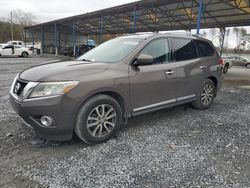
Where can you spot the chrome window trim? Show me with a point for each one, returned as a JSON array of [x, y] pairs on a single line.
[[163, 103]]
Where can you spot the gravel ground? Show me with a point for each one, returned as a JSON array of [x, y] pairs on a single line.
[[178, 147]]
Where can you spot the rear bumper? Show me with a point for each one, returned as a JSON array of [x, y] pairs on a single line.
[[31, 111]]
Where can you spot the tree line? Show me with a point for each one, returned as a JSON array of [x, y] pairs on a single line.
[[242, 42], [19, 20]]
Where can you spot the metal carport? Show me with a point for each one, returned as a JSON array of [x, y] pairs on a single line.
[[141, 16]]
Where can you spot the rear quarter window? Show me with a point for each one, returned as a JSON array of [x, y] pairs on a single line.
[[204, 48]]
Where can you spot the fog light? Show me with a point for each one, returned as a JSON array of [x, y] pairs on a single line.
[[46, 121]]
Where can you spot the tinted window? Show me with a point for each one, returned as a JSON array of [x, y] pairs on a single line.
[[205, 49], [184, 49], [159, 50], [14, 43], [20, 43]]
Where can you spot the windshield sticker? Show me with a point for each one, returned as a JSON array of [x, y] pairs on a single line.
[[134, 43]]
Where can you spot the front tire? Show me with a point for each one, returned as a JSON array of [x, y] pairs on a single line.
[[98, 119], [206, 95]]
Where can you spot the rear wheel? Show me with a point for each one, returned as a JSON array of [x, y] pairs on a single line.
[[226, 67], [98, 119], [248, 65], [206, 95], [25, 54]]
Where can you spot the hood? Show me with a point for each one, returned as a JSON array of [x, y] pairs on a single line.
[[63, 71]]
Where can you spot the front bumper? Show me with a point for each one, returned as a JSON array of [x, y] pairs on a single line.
[[60, 108]]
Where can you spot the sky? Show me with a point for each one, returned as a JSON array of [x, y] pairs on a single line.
[[48, 10]]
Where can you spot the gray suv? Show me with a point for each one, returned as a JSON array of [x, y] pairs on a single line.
[[123, 77]]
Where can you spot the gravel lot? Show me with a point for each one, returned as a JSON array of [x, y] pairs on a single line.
[[178, 147]]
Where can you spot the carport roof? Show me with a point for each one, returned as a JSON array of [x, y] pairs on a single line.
[[155, 15]]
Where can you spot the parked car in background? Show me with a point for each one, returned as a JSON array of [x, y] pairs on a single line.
[[10, 50], [235, 61], [123, 77], [16, 43], [79, 50]]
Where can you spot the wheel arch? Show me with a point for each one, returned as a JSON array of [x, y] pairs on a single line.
[[215, 81], [114, 94]]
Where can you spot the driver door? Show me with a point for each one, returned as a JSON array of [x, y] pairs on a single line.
[[153, 86]]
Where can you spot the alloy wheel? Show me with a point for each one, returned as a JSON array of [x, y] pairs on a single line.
[[101, 120], [207, 94]]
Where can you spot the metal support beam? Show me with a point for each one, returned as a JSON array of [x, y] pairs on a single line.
[[222, 32], [134, 21], [42, 40], [56, 49], [101, 30], [199, 16], [33, 41], [74, 39], [25, 38]]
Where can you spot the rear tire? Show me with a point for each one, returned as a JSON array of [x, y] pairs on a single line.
[[25, 54], [205, 96], [225, 68], [98, 119], [248, 66]]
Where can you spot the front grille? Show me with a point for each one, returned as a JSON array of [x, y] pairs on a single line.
[[19, 87]]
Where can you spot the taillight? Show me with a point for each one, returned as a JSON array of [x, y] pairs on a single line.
[[221, 62]]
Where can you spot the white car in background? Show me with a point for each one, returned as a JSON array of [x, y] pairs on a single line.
[[15, 51]]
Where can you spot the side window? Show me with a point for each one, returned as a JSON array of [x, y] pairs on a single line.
[[19, 43], [205, 49], [14, 43], [184, 49], [158, 48]]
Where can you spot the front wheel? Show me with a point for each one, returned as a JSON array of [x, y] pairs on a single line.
[[98, 119], [205, 96]]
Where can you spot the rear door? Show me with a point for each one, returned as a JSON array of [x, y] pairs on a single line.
[[18, 50], [189, 72], [153, 86]]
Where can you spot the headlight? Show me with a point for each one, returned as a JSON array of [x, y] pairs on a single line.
[[45, 89]]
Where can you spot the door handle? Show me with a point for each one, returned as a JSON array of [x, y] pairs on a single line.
[[170, 72], [203, 66]]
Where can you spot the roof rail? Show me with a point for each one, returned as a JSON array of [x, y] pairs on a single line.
[[185, 34]]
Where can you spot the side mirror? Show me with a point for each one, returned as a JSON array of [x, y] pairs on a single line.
[[144, 59]]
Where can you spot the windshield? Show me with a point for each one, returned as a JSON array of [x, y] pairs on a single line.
[[112, 51]]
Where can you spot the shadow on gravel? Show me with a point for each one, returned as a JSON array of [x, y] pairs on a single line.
[[40, 142]]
